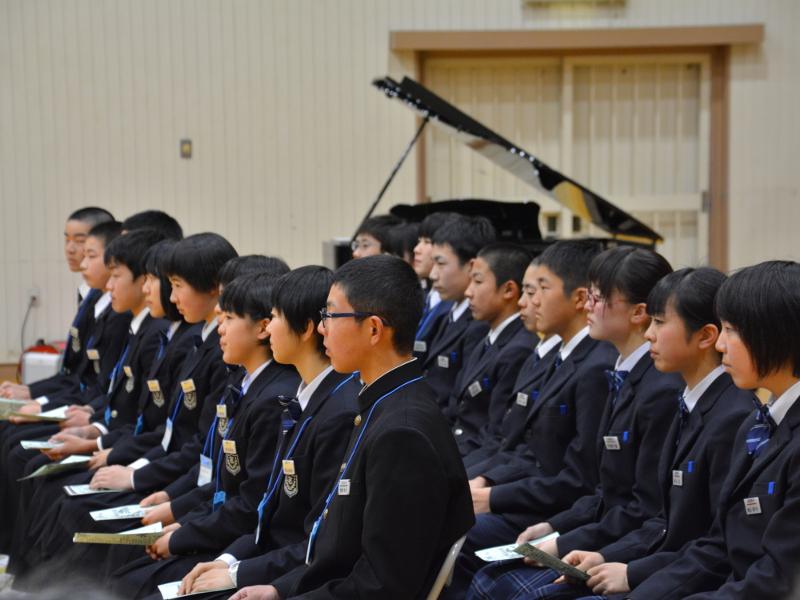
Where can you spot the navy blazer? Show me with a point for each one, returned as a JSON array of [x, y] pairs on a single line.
[[558, 441], [753, 547], [483, 387], [628, 492], [691, 472], [406, 495], [428, 326], [447, 353]]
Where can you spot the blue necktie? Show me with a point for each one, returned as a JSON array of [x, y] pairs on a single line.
[[761, 431], [558, 361], [684, 413], [615, 381], [291, 412]]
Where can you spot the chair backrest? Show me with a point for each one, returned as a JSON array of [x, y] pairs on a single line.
[[445, 575]]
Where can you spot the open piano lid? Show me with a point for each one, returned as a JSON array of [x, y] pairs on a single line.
[[581, 201]]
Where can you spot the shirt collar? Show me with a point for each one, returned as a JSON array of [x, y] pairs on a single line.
[[458, 309], [778, 408], [249, 378], [566, 349], [544, 346], [208, 328], [433, 298], [83, 290], [495, 333], [137, 321], [173, 327], [691, 397], [633, 358], [304, 392], [101, 304]]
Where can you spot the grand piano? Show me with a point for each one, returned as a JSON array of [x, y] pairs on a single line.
[[514, 221]]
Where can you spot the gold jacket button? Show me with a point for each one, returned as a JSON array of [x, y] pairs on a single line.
[[357, 420]]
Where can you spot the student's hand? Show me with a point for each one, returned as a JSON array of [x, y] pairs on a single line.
[[609, 578], [550, 547], [188, 580], [74, 408], [161, 513], [478, 483], [212, 579], [155, 498], [159, 549], [533, 532], [480, 500], [76, 417], [70, 444], [115, 477], [581, 560], [16, 391], [99, 459], [31, 408], [257, 592]]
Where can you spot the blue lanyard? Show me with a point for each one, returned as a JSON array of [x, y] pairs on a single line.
[[114, 373], [272, 486], [426, 319], [332, 494]]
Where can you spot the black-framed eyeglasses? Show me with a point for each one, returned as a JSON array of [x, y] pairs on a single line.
[[324, 315]]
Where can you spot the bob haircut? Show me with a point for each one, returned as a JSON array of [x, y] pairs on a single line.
[[762, 303], [691, 293], [300, 294], [198, 259], [631, 271], [153, 265]]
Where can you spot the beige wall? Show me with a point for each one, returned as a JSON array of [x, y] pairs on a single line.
[[290, 141]]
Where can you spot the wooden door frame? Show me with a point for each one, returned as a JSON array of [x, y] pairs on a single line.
[[715, 41]]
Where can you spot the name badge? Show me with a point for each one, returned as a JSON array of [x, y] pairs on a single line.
[[677, 478], [128, 371], [93, 354], [752, 506], [474, 388], [153, 385], [222, 411], [611, 442], [206, 468], [229, 446], [522, 399], [420, 346], [167, 435], [443, 361], [187, 386], [288, 467], [344, 487]]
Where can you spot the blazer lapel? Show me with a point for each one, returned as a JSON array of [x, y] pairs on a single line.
[[448, 335]]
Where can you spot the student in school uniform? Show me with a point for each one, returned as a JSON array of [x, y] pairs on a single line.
[[752, 548], [402, 239], [401, 488], [434, 308], [550, 454], [633, 427], [372, 237], [484, 385], [314, 432], [495, 449], [455, 245], [154, 219], [76, 230], [697, 453]]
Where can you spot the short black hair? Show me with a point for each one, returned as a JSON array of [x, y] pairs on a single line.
[[378, 227], [300, 294], [402, 239], [691, 292], [154, 260], [250, 296], [387, 287], [506, 261], [762, 303], [465, 235], [154, 219], [130, 249], [432, 222], [569, 260], [630, 270], [251, 263], [92, 215], [198, 259], [106, 231]]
